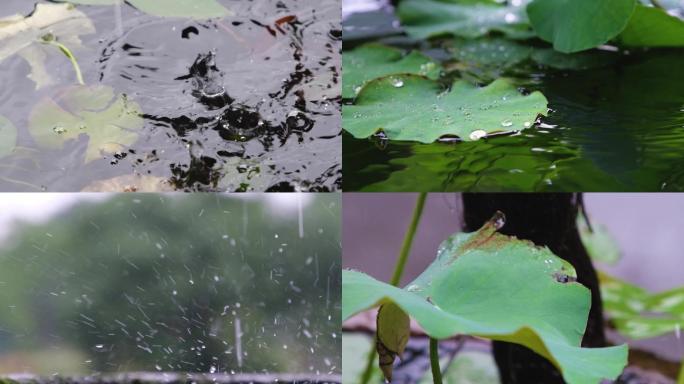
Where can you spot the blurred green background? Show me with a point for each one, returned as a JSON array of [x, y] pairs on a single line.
[[149, 282]]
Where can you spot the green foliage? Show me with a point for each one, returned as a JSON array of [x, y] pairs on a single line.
[[172, 274], [196, 9], [466, 111], [653, 27], [8, 136], [429, 18], [373, 60], [598, 242], [468, 290], [638, 314], [110, 122], [577, 25], [468, 367]]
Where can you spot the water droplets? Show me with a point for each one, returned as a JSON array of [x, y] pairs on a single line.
[[477, 134], [506, 123], [58, 129], [397, 82]]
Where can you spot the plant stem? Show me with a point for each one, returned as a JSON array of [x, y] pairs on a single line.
[[408, 240], [434, 362], [398, 271], [680, 379], [68, 54]]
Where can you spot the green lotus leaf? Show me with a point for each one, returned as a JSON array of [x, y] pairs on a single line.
[[195, 9], [374, 60], [21, 35], [577, 25], [413, 108], [427, 18], [653, 27], [110, 121], [490, 285]]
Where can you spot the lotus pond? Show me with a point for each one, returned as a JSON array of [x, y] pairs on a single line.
[[612, 118], [208, 95]]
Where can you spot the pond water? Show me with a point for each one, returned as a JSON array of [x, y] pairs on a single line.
[[615, 128], [246, 102]]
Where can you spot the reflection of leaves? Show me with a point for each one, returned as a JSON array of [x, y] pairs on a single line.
[[653, 27], [638, 314], [8, 136], [426, 18], [109, 121], [577, 25], [196, 9], [467, 290], [413, 108], [20, 35], [371, 61]]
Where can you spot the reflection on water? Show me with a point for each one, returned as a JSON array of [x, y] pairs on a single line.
[[249, 102], [173, 283], [615, 128]]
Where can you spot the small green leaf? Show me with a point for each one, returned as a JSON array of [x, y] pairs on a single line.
[[373, 60], [414, 108], [110, 122], [599, 243], [428, 18], [577, 25], [8, 137], [490, 285], [653, 27]]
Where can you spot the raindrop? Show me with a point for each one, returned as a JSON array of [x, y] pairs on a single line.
[[506, 123], [58, 129], [527, 124], [413, 288], [397, 83], [510, 18], [478, 134]]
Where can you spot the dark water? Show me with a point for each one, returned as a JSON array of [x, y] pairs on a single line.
[[617, 128], [276, 126]]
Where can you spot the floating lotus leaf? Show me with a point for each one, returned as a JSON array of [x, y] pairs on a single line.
[[413, 108], [428, 18], [577, 25], [196, 9], [8, 136], [110, 121], [373, 60], [21, 35], [490, 285]]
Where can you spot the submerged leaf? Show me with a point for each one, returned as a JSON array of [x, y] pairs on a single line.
[[8, 136], [490, 285], [414, 108], [196, 9], [577, 25], [428, 18], [110, 122], [373, 60], [21, 35]]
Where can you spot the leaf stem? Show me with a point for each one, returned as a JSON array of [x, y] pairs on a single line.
[[434, 362], [680, 379], [398, 271], [657, 4], [408, 240], [49, 39]]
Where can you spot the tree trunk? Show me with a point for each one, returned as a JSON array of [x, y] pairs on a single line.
[[545, 219]]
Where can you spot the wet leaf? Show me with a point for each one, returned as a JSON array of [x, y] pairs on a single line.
[[130, 183], [598, 241], [109, 121], [373, 60], [21, 35], [428, 18], [196, 9], [8, 137], [577, 25], [413, 108], [653, 27], [495, 286]]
